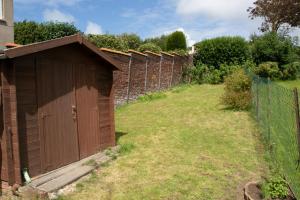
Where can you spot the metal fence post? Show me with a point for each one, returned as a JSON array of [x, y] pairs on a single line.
[[296, 101], [257, 98], [269, 111]]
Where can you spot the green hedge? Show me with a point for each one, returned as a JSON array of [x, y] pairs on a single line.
[[222, 50]]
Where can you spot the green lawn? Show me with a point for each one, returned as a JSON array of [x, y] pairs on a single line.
[[183, 146], [290, 84]]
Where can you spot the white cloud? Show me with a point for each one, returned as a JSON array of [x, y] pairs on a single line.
[[214, 9], [93, 28], [56, 15]]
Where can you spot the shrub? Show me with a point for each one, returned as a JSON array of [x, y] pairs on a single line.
[[222, 50], [289, 71], [237, 91], [149, 47], [176, 40], [275, 188], [268, 70], [108, 41], [273, 47]]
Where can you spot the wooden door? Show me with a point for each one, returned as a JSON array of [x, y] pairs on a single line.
[[57, 122], [87, 110]]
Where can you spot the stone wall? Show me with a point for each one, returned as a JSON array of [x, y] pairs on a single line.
[[141, 73]]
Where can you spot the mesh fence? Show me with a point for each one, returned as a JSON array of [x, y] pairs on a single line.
[[275, 109]]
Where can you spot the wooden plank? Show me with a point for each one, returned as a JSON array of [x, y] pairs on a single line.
[[7, 126]]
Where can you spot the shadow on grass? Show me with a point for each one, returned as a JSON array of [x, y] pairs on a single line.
[[119, 134]]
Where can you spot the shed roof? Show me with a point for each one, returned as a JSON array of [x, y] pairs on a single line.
[[42, 46]]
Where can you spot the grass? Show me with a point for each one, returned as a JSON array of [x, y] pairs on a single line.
[[183, 146], [290, 84]]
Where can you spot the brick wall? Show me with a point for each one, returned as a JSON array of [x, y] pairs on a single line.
[[153, 68], [121, 77], [166, 71], [143, 73]]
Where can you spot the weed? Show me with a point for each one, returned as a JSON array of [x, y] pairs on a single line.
[[126, 148], [91, 163], [152, 96]]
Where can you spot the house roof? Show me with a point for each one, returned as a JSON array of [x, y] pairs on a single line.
[[42, 46]]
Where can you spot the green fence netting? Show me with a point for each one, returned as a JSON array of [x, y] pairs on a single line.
[[274, 108]]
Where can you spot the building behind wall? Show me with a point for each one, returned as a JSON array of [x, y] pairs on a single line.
[[6, 22]]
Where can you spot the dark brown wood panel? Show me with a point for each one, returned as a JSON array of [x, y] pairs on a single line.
[[87, 110], [104, 82], [27, 114], [58, 129]]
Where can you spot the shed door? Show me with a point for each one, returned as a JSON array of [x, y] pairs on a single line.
[[87, 110], [58, 128]]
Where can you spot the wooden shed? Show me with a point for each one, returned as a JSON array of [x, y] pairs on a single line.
[[57, 106]]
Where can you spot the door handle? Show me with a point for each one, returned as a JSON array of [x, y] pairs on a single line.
[[74, 112]]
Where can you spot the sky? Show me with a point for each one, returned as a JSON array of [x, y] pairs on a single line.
[[198, 19]]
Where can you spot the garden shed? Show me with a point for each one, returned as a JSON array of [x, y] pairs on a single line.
[[57, 106]]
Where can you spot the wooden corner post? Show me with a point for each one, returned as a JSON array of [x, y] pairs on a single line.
[[296, 102]]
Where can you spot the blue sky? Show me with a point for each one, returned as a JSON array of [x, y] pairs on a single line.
[[199, 19]]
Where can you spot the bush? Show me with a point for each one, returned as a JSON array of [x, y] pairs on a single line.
[[108, 41], [237, 91], [149, 47], [290, 71], [268, 70], [273, 47], [222, 50], [176, 41]]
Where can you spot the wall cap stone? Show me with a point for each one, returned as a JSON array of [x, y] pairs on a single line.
[[165, 53], [137, 52], [155, 54], [114, 51]]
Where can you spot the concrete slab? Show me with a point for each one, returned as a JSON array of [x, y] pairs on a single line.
[[57, 179]]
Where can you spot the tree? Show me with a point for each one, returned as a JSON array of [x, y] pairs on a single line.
[[176, 41], [133, 40], [276, 13], [27, 32]]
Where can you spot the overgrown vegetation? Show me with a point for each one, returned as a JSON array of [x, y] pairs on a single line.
[[27, 32], [149, 47], [270, 55], [109, 41], [273, 47], [237, 91]]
